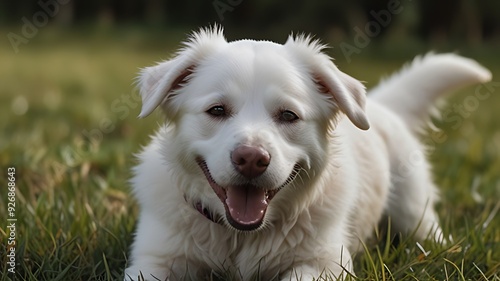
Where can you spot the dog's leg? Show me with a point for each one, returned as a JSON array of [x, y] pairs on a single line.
[[149, 254], [413, 195], [337, 266], [306, 273]]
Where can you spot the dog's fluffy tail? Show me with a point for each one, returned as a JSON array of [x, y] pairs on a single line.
[[412, 92]]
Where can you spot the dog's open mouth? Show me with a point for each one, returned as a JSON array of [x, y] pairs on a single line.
[[245, 204]]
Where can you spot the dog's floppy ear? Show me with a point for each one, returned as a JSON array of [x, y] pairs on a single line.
[[158, 83], [348, 93]]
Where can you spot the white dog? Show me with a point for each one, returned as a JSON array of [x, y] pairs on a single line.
[[274, 165]]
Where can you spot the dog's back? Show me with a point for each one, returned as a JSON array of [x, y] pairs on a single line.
[[398, 109]]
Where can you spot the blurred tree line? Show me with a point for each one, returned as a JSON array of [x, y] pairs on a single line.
[[473, 21]]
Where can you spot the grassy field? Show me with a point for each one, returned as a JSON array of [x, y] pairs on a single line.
[[69, 128]]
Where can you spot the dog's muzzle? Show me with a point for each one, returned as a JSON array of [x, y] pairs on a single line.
[[245, 204]]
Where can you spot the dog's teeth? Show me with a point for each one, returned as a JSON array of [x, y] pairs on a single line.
[[270, 194], [267, 194]]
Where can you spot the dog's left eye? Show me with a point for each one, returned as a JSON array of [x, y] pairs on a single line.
[[288, 116], [217, 111]]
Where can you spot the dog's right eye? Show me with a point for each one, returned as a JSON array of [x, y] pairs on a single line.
[[288, 116], [217, 111]]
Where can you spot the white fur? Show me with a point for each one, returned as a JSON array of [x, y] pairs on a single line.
[[349, 176]]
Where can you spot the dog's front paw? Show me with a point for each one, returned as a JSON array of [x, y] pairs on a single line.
[[310, 273], [132, 274], [333, 268]]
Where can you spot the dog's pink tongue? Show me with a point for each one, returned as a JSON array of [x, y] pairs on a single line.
[[246, 204]]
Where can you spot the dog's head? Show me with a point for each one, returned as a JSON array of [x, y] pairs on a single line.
[[250, 120]]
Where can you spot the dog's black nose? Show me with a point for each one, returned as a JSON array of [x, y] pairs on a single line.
[[250, 161]]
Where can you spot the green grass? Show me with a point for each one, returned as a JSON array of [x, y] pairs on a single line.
[[75, 215]]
